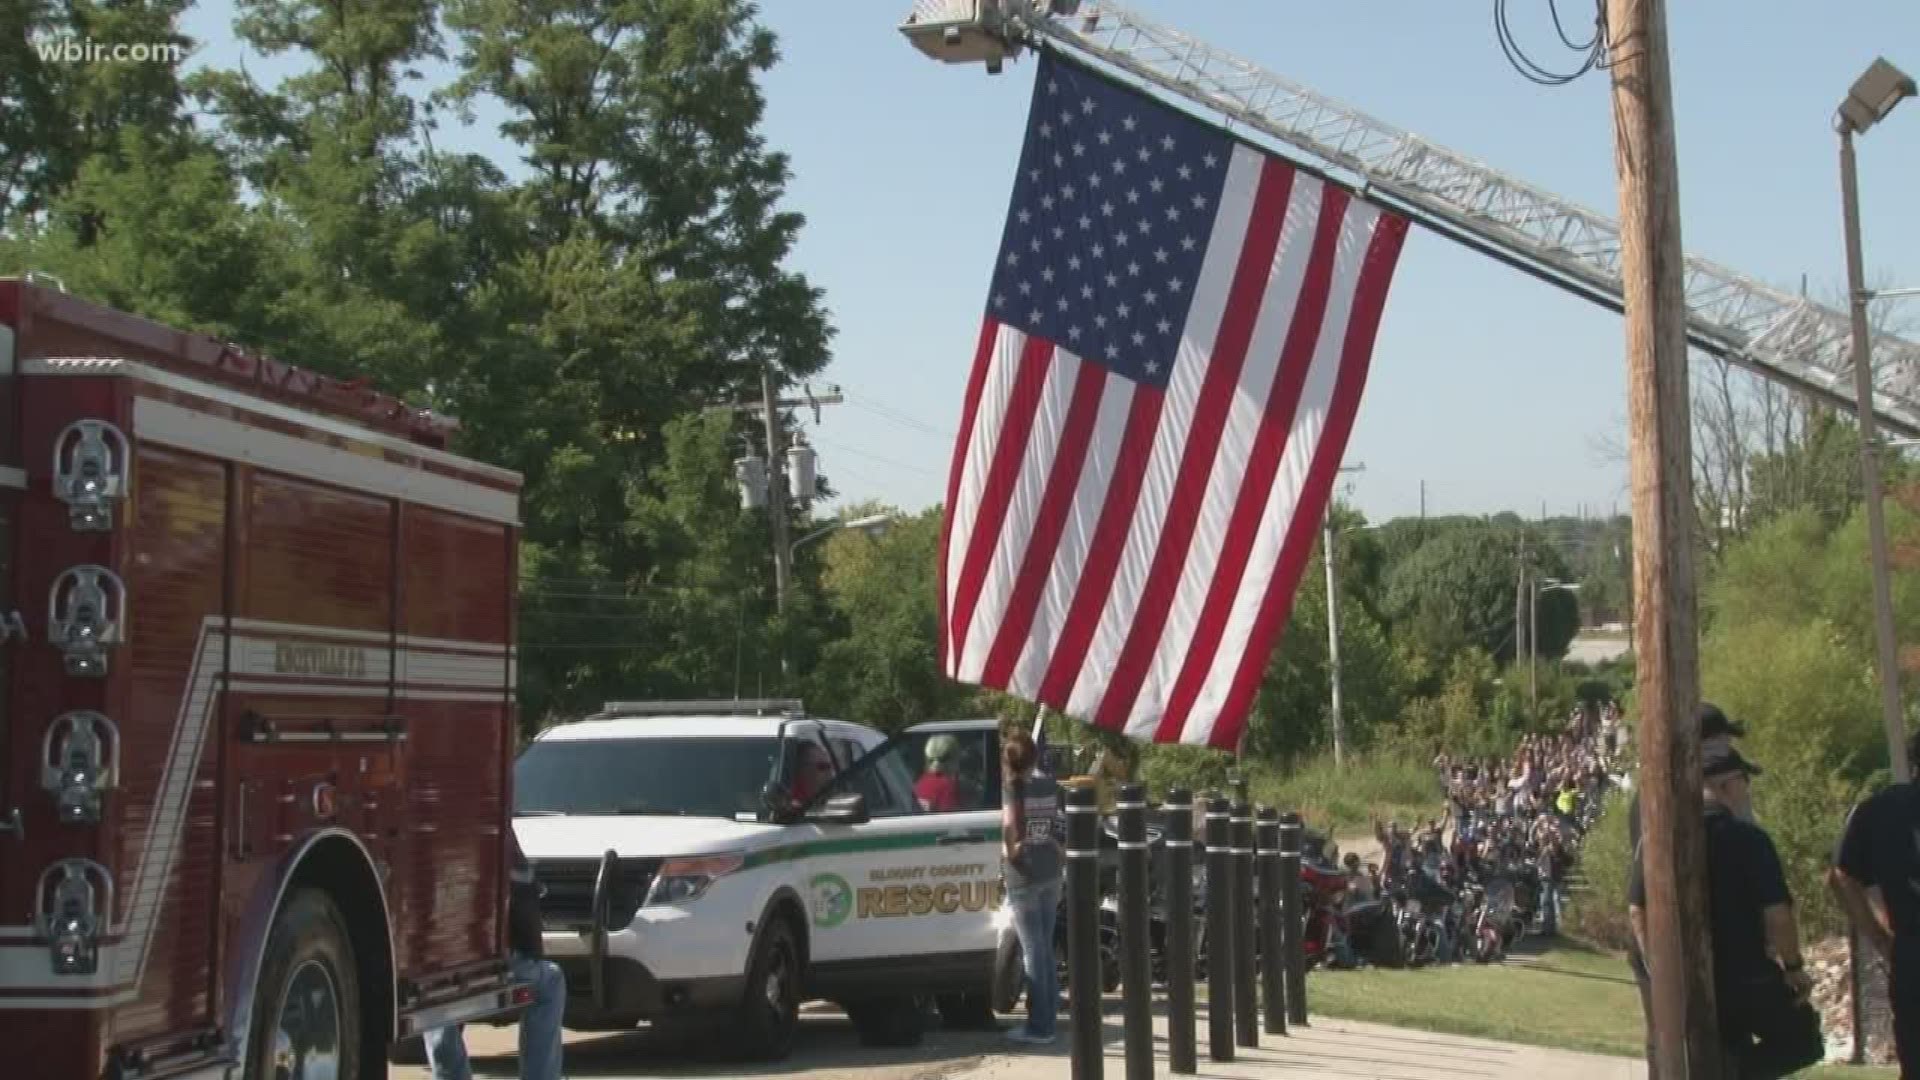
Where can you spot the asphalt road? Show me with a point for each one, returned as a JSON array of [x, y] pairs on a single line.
[[827, 1047]]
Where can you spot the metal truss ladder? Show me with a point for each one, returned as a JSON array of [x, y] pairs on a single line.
[[1775, 334]]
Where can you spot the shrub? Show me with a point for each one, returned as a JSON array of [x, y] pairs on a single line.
[[1600, 911]]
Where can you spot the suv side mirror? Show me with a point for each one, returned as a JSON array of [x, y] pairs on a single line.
[[847, 809], [777, 803]]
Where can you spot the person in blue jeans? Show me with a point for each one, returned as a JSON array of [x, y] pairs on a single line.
[[540, 1024], [1033, 835]]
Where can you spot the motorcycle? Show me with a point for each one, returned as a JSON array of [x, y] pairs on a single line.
[[1487, 909], [1323, 898]]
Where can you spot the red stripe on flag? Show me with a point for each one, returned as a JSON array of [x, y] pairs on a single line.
[[1389, 232], [976, 382], [1003, 475], [1263, 462], [1036, 565], [1229, 355], [1103, 551]]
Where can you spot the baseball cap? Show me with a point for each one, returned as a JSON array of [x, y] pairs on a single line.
[[1721, 759], [1714, 723]]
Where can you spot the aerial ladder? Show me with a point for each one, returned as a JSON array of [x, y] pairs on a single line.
[[1775, 334]]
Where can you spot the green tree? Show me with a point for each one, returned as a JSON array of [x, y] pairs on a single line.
[[884, 669], [1457, 590], [57, 116], [338, 158], [1292, 716], [651, 278]]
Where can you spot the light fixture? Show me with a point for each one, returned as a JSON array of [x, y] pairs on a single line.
[[1874, 95]]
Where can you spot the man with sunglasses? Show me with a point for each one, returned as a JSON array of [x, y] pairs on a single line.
[[813, 770], [1768, 1027]]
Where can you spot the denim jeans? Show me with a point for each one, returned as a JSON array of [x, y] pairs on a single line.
[[539, 1028], [1036, 909]]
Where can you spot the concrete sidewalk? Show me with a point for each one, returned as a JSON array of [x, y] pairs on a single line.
[[1332, 1048]]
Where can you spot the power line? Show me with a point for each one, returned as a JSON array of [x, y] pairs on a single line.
[[1595, 48], [898, 416], [893, 462]]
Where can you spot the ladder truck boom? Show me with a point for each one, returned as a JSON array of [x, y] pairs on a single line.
[[1773, 333]]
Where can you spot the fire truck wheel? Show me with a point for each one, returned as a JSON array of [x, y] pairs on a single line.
[[306, 1008], [770, 1012]]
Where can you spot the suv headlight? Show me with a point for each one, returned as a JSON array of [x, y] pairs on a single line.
[[680, 880]]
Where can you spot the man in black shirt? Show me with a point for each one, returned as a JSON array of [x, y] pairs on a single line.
[[1760, 983], [1877, 878], [1715, 730]]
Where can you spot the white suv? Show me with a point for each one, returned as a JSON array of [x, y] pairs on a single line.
[[694, 867]]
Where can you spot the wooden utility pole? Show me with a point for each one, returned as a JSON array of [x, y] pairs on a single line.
[[778, 500], [1666, 644], [777, 495]]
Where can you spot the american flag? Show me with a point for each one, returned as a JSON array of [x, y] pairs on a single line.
[[1174, 347]]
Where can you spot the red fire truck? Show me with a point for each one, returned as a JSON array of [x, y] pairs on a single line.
[[256, 710]]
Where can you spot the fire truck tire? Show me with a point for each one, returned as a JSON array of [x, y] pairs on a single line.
[[306, 1006], [769, 1012]]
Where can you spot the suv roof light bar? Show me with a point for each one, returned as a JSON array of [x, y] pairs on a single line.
[[707, 707]]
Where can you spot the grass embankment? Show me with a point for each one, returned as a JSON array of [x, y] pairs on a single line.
[[1350, 799], [1571, 997], [1342, 801]]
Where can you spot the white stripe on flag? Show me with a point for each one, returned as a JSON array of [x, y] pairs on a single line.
[[1169, 445], [989, 416], [1277, 309], [1076, 537], [1023, 509], [1309, 422]]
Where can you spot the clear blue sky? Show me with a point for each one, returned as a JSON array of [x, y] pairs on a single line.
[[1488, 386]]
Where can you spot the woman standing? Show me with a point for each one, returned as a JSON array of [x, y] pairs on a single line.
[[1033, 835]]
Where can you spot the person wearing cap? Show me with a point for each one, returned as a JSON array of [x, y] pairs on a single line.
[[937, 790], [1715, 729], [1761, 989], [1876, 876]]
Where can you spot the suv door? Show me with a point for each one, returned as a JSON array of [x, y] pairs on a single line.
[[920, 879]]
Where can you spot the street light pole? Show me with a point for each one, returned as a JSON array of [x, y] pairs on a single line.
[[873, 524], [1333, 645], [1533, 647], [1870, 99], [1333, 622], [1534, 588]]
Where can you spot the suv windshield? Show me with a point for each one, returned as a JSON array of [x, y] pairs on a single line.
[[698, 777]]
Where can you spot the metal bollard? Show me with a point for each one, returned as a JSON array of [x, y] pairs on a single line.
[[1293, 920], [1273, 979], [1136, 955], [1220, 944], [1246, 991], [1181, 1054], [1083, 931]]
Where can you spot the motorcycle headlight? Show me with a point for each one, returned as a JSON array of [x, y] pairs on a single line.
[[681, 880]]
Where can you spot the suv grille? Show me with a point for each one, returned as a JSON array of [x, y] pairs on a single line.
[[567, 903]]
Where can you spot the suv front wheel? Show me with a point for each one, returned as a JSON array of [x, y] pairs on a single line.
[[769, 1014]]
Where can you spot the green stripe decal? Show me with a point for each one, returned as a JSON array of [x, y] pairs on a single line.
[[854, 845]]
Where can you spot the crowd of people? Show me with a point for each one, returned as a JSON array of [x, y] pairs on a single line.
[[1523, 815]]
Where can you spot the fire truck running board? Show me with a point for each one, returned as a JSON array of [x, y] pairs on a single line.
[[201, 1056], [497, 1003]]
